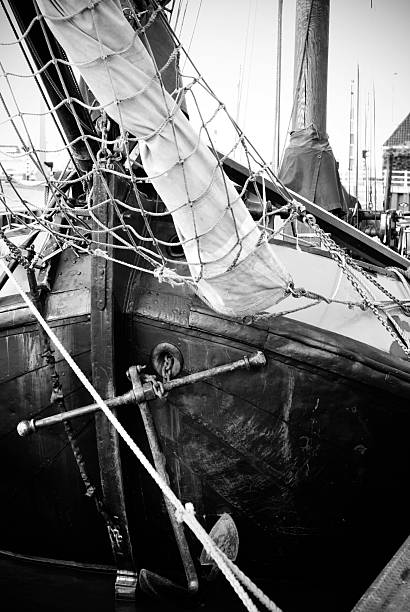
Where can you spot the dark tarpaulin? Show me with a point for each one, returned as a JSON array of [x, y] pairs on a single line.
[[309, 168]]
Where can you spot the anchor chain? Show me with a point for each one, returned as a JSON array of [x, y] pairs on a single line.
[[105, 156], [57, 399], [15, 251], [166, 369], [404, 307], [102, 126], [343, 260], [166, 372]]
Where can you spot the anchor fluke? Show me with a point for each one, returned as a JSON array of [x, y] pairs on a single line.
[[225, 535], [157, 586]]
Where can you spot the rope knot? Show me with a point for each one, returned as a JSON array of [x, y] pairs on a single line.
[[298, 208], [298, 292], [163, 274], [180, 513], [90, 491], [295, 292]]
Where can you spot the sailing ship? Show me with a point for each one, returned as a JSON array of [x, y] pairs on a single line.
[[157, 251]]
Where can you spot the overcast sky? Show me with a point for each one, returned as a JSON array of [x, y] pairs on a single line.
[[377, 38], [234, 46]]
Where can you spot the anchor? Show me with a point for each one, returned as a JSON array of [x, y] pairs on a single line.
[[150, 582]]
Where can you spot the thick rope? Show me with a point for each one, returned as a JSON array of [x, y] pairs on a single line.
[[184, 513]]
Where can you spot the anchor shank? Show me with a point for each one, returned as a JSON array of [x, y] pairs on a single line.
[[146, 392], [26, 428], [255, 360]]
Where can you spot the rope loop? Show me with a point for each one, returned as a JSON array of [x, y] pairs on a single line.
[[181, 513], [301, 292]]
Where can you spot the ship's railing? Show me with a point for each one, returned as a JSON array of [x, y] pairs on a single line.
[[400, 181]]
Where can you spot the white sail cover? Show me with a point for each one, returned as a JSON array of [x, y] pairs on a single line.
[[235, 270]]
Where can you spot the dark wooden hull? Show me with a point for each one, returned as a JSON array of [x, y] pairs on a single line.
[[309, 454], [44, 510]]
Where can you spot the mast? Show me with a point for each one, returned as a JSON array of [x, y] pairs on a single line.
[[311, 62], [374, 148], [365, 151], [316, 176], [276, 135]]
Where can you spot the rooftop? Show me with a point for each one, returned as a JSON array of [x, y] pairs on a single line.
[[401, 135]]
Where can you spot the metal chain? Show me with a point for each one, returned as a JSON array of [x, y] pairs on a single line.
[[166, 372], [157, 385], [102, 126], [166, 369], [344, 261], [57, 400], [57, 397], [404, 307], [353, 264], [15, 251]]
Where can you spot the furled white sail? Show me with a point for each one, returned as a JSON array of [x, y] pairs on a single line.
[[234, 268]]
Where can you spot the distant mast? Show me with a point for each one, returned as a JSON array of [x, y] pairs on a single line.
[[357, 131], [42, 145], [311, 64], [351, 138]]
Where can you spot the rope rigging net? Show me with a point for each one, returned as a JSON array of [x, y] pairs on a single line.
[[151, 144]]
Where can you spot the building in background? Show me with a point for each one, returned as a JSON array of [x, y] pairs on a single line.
[[14, 162], [396, 167]]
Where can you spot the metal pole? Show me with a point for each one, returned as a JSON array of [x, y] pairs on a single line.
[[374, 148], [25, 428], [351, 139], [357, 132], [159, 462], [258, 359]]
